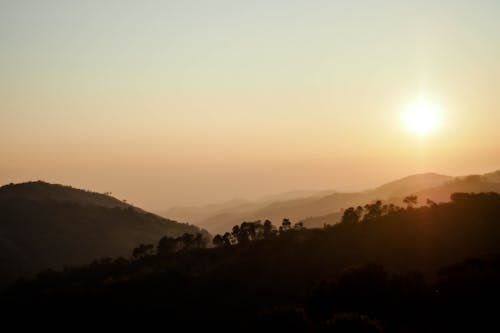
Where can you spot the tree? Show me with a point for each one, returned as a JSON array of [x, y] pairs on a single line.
[[392, 208], [228, 239], [373, 211], [286, 224], [142, 251], [167, 245], [249, 230], [268, 230], [411, 201], [350, 216], [298, 226], [460, 197], [430, 203], [199, 241], [185, 240], [218, 241], [241, 233], [236, 231]]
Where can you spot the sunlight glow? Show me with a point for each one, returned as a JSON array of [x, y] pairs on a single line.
[[422, 117]]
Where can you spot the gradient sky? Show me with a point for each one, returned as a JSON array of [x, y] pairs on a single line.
[[180, 102]]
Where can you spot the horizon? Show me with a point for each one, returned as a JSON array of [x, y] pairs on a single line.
[[250, 166], [262, 198], [191, 103]]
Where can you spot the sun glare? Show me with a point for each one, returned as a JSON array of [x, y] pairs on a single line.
[[422, 117]]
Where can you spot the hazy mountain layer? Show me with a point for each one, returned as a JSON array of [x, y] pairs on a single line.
[[320, 208], [469, 184]]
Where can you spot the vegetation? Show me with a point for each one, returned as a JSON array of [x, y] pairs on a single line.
[[315, 209], [51, 226], [383, 269]]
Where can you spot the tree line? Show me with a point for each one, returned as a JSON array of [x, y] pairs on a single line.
[[383, 268]]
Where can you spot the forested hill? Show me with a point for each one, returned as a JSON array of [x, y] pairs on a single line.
[[315, 209], [40, 191], [50, 226], [382, 269]]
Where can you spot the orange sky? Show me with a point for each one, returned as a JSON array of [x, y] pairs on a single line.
[[182, 102]]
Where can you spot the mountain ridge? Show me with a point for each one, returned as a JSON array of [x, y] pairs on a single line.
[[45, 225], [44, 191], [307, 208]]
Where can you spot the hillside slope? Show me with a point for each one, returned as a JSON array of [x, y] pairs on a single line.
[[201, 214], [40, 191], [313, 206], [301, 279], [441, 193], [50, 226]]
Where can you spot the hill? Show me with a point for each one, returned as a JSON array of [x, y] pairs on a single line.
[[428, 269], [410, 184], [319, 208], [395, 192], [40, 191], [50, 226], [493, 177], [203, 214]]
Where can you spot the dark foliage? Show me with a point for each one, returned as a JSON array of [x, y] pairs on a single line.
[[51, 226], [384, 269]]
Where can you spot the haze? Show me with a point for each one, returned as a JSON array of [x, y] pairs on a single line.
[[188, 102]]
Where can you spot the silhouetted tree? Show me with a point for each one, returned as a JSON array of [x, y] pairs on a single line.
[[250, 231], [411, 201], [228, 239], [199, 241], [460, 197], [373, 211], [268, 230], [298, 226], [142, 250], [218, 240], [167, 245], [286, 225], [186, 241], [236, 231], [392, 208], [231, 287], [350, 215], [430, 203], [241, 233]]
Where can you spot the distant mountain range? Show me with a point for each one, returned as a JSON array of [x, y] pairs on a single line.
[[46, 225], [50, 226], [315, 209]]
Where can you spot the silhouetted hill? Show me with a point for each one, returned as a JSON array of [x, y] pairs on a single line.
[[410, 184], [321, 221], [493, 177], [50, 226], [293, 209], [45, 192], [316, 210], [469, 184], [429, 269], [194, 214], [440, 193], [205, 213], [292, 195]]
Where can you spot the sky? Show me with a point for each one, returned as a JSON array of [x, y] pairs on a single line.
[[188, 102]]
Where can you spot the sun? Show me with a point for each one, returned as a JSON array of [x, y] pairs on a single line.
[[422, 117]]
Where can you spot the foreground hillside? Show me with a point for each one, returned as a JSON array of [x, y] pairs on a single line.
[[382, 269], [50, 226]]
